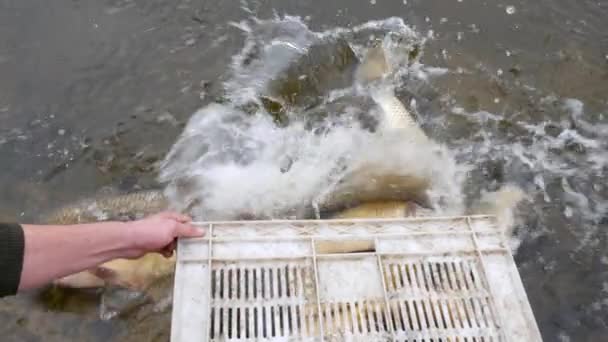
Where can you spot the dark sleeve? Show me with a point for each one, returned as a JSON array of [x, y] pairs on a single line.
[[12, 245]]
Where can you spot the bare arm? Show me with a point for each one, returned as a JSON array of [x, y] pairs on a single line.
[[55, 251]]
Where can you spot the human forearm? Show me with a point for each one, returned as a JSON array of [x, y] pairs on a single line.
[[56, 251], [36, 255]]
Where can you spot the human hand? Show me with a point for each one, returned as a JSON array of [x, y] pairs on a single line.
[[159, 233]]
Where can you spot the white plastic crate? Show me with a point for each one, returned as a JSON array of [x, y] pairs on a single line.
[[421, 279]]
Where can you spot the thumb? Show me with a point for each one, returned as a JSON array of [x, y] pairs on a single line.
[[188, 230]]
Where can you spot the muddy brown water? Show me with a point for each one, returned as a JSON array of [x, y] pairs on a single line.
[[93, 94]]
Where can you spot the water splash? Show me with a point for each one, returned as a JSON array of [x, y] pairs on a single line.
[[233, 161]]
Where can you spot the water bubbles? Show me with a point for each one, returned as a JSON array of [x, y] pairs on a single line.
[[444, 53], [474, 28], [510, 10], [508, 53], [496, 100], [61, 132], [568, 212], [499, 72], [443, 20], [373, 2], [405, 2], [167, 117]]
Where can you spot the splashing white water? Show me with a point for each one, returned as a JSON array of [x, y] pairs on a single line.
[[231, 164], [561, 160]]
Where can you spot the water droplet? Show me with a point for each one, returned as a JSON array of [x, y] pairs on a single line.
[[568, 212], [496, 100], [405, 2], [508, 53], [373, 2], [510, 10], [443, 20], [499, 72], [61, 131], [427, 19]]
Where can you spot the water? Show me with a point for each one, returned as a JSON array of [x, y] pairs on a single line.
[[94, 94]]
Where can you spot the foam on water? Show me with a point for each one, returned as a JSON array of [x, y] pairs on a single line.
[[233, 163], [562, 161]]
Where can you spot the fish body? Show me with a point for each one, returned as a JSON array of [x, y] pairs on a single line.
[[371, 182], [398, 118], [119, 207], [383, 209]]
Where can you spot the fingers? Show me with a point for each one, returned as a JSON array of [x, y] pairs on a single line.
[[183, 230], [188, 230], [176, 216]]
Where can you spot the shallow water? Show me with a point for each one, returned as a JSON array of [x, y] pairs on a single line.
[[93, 94]]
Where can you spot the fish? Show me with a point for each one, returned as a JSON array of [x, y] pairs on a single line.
[[384, 209], [108, 207], [355, 196], [130, 273], [126, 283], [370, 181], [396, 116]]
